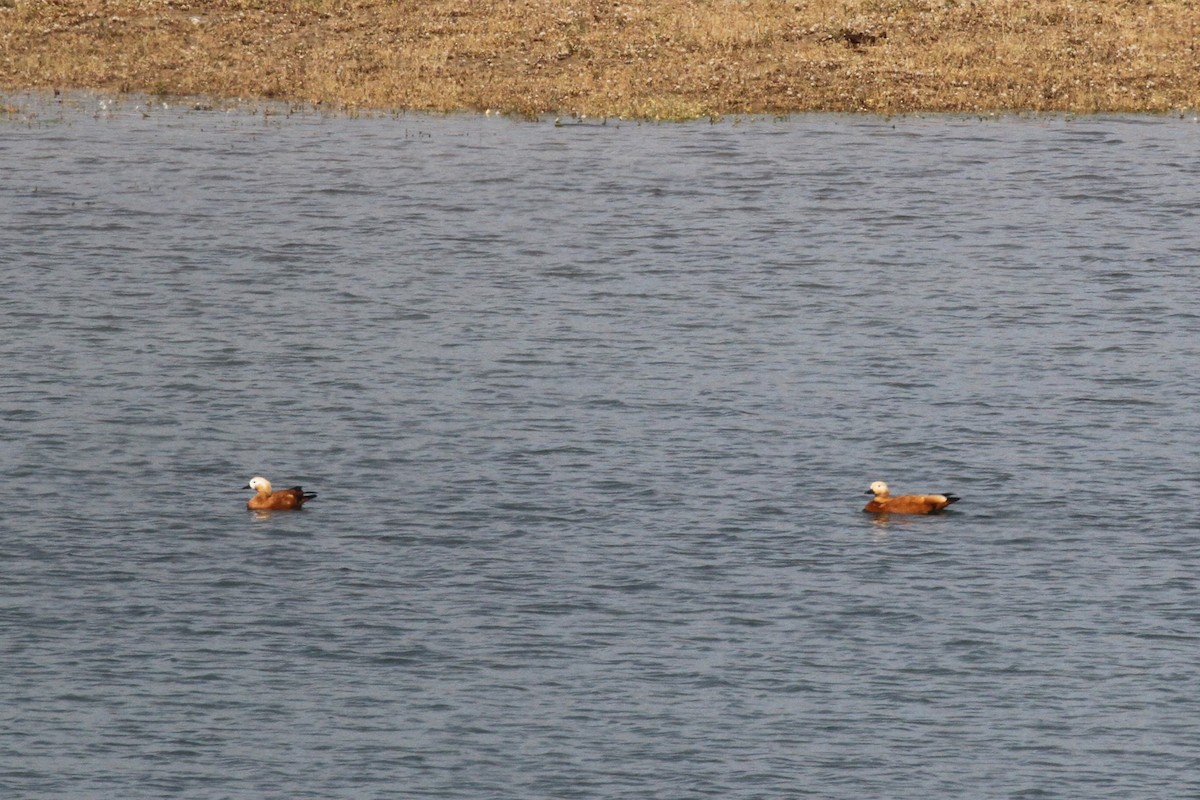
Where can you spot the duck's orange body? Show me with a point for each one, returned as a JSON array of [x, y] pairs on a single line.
[[280, 500], [884, 503]]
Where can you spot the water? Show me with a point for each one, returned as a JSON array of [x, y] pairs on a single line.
[[590, 411]]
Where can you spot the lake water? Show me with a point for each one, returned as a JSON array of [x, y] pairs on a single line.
[[590, 411]]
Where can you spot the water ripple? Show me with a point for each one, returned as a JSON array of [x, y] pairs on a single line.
[[589, 416]]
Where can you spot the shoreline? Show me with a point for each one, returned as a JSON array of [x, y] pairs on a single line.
[[668, 60], [32, 105]]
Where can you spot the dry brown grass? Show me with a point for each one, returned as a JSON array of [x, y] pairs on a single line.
[[654, 58]]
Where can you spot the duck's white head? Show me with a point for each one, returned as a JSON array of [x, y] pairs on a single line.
[[259, 484], [879, 489]]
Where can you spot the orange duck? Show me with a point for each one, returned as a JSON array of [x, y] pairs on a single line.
[[281, 500], [884, 503]]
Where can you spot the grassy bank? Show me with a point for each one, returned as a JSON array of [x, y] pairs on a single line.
[[656, 58]]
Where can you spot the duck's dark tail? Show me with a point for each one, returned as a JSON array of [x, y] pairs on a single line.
[[304, 496]]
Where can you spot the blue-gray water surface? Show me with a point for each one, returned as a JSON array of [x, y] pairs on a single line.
[[590, 411]]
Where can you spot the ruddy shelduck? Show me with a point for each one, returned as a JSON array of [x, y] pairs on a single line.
[[280, 500], [884, 503]]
